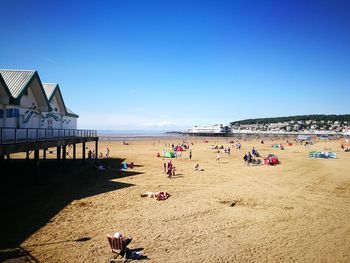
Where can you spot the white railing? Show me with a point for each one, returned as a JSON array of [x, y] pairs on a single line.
[[14, 135]]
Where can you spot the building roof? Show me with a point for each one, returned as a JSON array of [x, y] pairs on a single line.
[[50, 89], [17, 80], [71, 113]]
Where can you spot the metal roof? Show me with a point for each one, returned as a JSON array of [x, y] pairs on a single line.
[[69, 112], [16, 80], [49, 89]]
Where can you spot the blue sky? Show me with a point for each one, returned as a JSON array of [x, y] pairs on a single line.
[[162, 65]]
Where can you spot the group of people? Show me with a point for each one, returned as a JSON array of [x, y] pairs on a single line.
[[92, 155], [169, 169], [249, 157]]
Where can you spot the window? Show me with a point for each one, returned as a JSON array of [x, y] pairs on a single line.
[[12, 113]]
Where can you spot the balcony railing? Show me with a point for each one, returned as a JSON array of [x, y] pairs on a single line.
[[14, 135]]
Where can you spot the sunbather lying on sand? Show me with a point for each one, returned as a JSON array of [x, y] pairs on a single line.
[[197, 168], [157, 195], [99, 167]]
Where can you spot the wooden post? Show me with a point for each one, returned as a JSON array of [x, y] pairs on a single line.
[[58, 154], [3, 165], [36, 162], [27, 155], [74, 151], [96, 149], [8, 158], [83, 153], [44, 154], [64, 152], [2, 161]]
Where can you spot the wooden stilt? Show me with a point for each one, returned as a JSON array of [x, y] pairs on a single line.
[[2, 161], [74, 151], [44, 153], [64, 153], [58, 154], [83, 153], [36, 162], [96, 149]]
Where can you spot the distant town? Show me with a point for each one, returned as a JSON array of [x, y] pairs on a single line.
[[306, 124]]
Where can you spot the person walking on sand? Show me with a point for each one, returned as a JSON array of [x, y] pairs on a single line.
[[164, 168], [190, 155], [107, 153], [218, 157], [170, 168]]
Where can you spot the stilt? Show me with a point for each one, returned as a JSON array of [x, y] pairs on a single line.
[[74, 151], [58, 154], [36, 162], [96, 149], [2, 161], [27, 155], [83, 153], [44, 153], [8, 158], [3, 165], [64, 153]]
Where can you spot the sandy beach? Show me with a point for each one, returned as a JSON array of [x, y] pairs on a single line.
[[297, 211]]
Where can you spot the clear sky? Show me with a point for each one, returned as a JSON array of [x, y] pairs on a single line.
[[161, 65]]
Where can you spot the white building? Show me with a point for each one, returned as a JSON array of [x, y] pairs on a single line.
[[215, 129], [60, 117], [26, 103]]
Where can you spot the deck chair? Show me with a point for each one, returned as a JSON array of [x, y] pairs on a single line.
[[118, 249]]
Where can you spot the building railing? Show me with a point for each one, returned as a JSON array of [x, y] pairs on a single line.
[[18, 135]]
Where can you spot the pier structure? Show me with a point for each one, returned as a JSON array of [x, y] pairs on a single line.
[[27, 140]]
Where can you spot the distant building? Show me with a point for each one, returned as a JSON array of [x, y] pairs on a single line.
[[213, 129]]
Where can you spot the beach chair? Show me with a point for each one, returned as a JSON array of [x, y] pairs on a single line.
[[118, 249]]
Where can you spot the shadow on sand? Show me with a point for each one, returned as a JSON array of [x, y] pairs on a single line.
[[30, 200]]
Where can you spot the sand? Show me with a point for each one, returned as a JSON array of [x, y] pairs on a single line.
[[295, 212]]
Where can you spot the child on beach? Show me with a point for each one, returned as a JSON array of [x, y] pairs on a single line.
[[174, 171], [218, 157]]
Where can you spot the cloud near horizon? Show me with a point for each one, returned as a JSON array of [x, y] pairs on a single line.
[[123, 121]]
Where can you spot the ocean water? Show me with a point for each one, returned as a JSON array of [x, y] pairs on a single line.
[[115, 135]]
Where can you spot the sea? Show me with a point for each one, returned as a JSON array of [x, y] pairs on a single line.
[[129, 135]]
